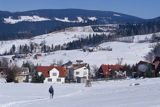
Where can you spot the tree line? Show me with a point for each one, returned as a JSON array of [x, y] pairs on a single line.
[[91, 40], [138, 29], [26, 30]]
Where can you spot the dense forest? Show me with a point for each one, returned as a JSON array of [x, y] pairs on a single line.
[[138, 29], [130, 29], [25, 30]]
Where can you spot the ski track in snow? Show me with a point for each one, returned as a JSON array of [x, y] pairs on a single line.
[[11, 104]]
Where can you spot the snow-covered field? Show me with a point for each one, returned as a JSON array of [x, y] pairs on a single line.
[[35, 18], [138, 38], [130, 52], [55, 38], [24, 18], [120, 93]]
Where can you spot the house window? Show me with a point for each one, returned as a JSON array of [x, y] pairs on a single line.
[[54, 74], [49, 79], [85, 73], [58, 80], [77, 73]]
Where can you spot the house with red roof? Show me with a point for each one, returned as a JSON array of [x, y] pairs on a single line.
[[111, 71], [52, 74]]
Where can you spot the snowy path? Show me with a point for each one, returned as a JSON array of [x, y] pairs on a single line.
[[120, 93], [11, 104], [14, 103]]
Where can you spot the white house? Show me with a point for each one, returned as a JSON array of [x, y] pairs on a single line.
[[52, 74], [81, 74]]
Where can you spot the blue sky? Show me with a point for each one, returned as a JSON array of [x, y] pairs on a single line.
[[141, 8]]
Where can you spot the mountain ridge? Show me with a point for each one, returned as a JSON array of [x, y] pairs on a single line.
[[28, 24]]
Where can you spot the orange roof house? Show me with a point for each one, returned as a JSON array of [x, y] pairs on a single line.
[[106, 70]]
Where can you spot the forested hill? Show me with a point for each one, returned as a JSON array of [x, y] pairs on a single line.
[[32, 23], [27, 24]]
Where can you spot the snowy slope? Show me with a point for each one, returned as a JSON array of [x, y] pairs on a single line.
[[138, 38], [34, 18], [102, 94], [55, 38], [2, 80], [130, 52], [66, 19], [92, 18]]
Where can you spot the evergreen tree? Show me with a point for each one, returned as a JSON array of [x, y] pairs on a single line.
[[13, 49], [37, 78]]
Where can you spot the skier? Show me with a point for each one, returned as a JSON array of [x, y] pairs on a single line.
[[51, 91]]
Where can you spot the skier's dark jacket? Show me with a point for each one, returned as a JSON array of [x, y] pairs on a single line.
[[51, 90]]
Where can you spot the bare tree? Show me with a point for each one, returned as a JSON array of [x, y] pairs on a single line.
[[94, 69], [154, 52], [156, 49], [4, 62], [119, 61], [12, 73], [60, 62], [153, 38], [54, 62], [150, 56]]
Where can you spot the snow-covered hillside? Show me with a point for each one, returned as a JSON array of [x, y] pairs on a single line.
[[131, 53], [2, 80], [79, 20], [138, 38], [55, 38], [34, 18], [122, 93]]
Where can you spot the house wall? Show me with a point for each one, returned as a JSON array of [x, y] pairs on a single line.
[[81, 72], [21, 78], [54, 80]]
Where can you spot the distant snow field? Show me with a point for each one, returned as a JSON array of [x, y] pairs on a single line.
[[131, 53], [34, 18], [120, 93], [66, 19], [92, 18], [116, 15]]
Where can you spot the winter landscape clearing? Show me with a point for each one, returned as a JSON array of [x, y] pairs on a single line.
[[130, 52], [79, 53], [119, 93]]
